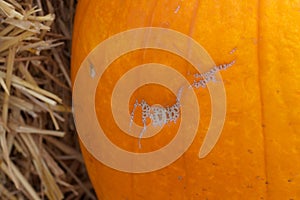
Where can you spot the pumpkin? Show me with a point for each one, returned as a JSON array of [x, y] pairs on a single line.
[[257, 155]]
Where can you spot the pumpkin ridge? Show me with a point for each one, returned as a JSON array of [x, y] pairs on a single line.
[[260, 84]]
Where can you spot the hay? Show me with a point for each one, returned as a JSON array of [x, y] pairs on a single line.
[[39, 154]]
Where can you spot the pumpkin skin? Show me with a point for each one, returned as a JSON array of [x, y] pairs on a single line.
[[258, 153]]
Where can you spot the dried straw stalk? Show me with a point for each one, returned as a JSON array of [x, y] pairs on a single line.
[[39, 157]]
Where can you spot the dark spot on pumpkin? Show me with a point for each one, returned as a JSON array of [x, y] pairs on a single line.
[[290, 180], [250, 151], [263, 125], [266, 182], [180, 178], [277, 91]]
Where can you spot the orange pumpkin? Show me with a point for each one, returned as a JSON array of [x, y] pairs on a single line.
[[258, 153]]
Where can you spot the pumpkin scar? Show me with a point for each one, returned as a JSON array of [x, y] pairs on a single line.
[[233, 50], [160, 115], [92, 70], [177, 9], [210, 75]]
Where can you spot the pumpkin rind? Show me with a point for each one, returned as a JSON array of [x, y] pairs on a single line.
[[258, 154]]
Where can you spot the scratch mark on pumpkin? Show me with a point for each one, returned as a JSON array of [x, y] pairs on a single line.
[[92, 70], [233, 50], [177, 9]]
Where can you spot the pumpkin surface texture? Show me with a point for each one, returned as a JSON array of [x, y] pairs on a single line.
[[257, 155]]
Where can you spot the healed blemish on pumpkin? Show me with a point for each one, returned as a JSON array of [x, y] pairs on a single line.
[[177, 9], [233, 50], [145, 114], [209, 76], [160, 115], [92, 70]]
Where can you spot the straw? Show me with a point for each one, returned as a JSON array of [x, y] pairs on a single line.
[[39, 150]]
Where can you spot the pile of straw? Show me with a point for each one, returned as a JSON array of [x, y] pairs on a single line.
[[39, 154]]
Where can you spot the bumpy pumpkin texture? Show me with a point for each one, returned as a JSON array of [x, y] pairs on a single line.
[[258, 153]]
